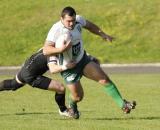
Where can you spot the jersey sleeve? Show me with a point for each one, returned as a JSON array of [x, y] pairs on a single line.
[[81, 20], [52, 59], [51, 37]]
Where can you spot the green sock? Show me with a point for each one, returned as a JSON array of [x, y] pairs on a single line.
[[112, 91], [72, 104]]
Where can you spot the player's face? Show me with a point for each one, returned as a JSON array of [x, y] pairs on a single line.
[[69, 21]]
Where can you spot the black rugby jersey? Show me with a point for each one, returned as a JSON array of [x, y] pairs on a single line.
[[37, 63]]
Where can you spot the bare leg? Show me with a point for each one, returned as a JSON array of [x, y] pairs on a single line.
[[95, 72], [76, 96], [56, 86]]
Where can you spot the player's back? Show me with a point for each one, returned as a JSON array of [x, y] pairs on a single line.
[[37, 63]]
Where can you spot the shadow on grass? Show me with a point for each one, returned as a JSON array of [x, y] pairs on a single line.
[[53, 114], [127, 118], [29, 113], [101, 118]]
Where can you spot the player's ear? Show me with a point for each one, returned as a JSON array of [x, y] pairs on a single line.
[[61, 18]]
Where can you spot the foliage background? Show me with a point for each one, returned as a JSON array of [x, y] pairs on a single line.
[[135, 25]]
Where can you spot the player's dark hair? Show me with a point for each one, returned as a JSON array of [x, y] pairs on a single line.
[[69, 11]]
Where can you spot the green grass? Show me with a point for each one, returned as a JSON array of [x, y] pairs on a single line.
[[135, 24], [34, 109]]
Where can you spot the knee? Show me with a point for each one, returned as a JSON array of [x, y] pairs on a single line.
[[56, 86], [61, 89], [78, 98], [104, 81]]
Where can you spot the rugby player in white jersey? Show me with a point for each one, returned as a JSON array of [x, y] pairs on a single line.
[[72, 24]]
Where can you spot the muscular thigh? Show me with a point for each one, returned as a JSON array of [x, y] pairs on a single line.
[[94, 72]]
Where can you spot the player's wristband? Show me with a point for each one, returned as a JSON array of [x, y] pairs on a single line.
[[64, 67]]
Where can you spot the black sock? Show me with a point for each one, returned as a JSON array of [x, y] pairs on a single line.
[[9, 84], [60, 100], [5, 85], [2, 86]]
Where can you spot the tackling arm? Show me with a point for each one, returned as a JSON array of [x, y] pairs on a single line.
[[54, 68]]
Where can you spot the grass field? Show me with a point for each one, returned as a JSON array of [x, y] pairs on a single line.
[[34, 109], [134, 23]]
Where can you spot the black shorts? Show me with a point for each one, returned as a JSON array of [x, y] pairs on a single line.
[[73, 75], [32, 71]]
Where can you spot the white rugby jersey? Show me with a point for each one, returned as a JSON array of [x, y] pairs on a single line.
[[76, 51]]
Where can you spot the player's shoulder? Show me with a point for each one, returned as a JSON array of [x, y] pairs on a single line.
[[58, 25], [59, 28], [80, 19]]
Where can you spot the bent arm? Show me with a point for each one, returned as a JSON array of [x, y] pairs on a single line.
[[54, 68], [49, 48], [96, 30]]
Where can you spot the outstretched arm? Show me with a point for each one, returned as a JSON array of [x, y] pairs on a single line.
[[96, 30]]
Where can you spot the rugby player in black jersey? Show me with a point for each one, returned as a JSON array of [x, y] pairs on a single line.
[[31, 73]]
